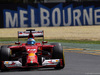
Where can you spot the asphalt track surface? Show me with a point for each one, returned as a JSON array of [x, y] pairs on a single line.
[[75, 64]]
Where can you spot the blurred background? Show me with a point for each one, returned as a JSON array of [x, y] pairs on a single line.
[[67, 32], [40, 1]]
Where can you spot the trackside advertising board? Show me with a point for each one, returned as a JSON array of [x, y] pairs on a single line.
[[50, 14]]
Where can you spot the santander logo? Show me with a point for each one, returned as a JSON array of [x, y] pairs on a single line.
[[31, 49]]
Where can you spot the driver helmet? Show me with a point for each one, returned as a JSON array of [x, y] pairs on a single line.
[[31, 41]]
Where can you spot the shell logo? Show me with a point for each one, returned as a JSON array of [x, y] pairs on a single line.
[[56, 60], [31, 54], [7, 62]]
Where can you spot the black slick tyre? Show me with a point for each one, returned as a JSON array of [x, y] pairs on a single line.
[[0, 58], [5, 55], [58, 54]]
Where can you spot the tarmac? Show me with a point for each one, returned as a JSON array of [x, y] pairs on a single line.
[[93, 49]]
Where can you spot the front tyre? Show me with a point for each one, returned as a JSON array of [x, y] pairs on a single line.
[[0, 58], [58, 54], [5, 55]]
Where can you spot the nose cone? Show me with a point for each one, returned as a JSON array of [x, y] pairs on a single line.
[[32, 59]]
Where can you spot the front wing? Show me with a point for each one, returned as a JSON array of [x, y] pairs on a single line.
[[45, 63]]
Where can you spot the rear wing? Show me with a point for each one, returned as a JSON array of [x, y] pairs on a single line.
[[24, 34], [30, 33]]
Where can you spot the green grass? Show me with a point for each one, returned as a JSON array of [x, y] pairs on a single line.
[[8, 39], [54, 40], [75, 41]]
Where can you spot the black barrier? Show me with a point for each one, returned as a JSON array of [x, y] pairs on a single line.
[[49, 14]]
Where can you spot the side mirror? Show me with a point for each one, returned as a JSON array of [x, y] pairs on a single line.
[[17, 43], [43, 42]]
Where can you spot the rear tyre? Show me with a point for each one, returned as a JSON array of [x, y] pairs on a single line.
[[58, 54]]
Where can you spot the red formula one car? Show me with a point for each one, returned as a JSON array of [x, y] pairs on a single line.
[[31, 54]]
